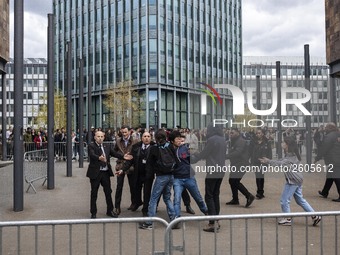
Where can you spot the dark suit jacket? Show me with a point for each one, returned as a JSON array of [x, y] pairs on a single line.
[[94, 152]]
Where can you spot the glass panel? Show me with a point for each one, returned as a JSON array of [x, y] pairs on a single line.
[[152, 22], [153, 45]]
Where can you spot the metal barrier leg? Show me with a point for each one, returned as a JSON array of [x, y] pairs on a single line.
[[30, 184]]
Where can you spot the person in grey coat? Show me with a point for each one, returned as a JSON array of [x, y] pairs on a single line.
[[294, 179]]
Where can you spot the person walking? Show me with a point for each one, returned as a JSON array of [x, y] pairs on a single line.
[[294, 180], [99, 171], [214, 154], [238, 156], [259, 147], [329, 150]]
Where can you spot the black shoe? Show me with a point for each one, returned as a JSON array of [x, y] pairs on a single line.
[[259, 196], [322, 194], [233, 202], [189, 210], [177, 226], [117, 211], [112, 214], [336, 200], [93, 216], [250, 200], [131, 206], [135, 207]]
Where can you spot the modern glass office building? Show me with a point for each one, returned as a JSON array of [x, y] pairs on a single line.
[[291, 75], [164, 46], [34, 87]]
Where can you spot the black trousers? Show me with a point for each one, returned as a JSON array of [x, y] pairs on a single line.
[[145, 184], [186, 197], [104, 180], [236, 185], [119, 189], [212, 195], [260, 183], [331, 177]]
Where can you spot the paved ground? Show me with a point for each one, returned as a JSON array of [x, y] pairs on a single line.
[[70, 200]]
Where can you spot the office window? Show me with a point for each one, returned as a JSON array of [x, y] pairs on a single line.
[[134, 49], [153, 45], [127, 6], [126, 28], [153, 70], [134, 25], [143, 23], [119, 8], [127, 50], [142, 50], [152, 2], [152, 22]]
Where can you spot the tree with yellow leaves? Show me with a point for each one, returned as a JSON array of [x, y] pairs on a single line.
[[123, 102]]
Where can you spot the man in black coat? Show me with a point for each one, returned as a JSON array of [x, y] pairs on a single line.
[[214, 153], [140, 152], [329, 150], [239, 157], [100, 171]]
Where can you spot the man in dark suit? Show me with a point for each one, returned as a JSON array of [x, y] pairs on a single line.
[[140, 152], [100, 171]]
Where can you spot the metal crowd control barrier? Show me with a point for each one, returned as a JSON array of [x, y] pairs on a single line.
[[239, 234], [35, 167], [98, 236], [257, 234]]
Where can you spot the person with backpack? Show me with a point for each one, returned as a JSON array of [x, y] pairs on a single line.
[[161, 162], [184, 175]]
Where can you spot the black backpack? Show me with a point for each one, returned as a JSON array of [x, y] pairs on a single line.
[[166, 161]]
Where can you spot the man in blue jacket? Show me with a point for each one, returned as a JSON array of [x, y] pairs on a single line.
[[184, 175]]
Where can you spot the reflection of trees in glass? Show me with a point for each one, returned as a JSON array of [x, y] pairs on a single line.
[[123, 104]]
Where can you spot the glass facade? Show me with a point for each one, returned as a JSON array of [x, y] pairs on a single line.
[[164, 46], [34, 87], [292, 75]]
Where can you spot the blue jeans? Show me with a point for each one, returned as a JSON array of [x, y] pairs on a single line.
[[290, 190], [191, 185], [162, 185]]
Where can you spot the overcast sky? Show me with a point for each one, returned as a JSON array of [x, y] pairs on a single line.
[[270, 27]]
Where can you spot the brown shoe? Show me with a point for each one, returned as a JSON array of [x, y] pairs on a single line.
[[212, 227]]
